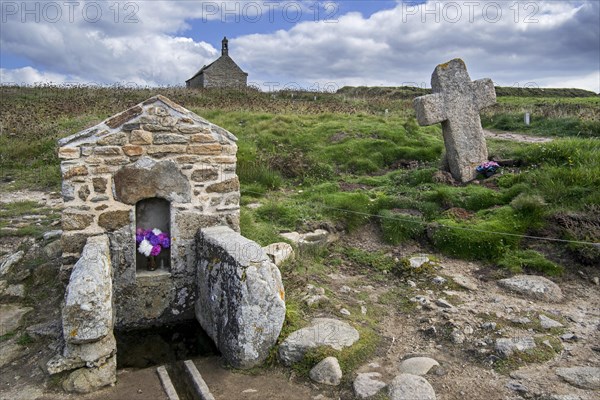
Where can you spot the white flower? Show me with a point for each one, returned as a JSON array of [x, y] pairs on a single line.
[[156, 231], [145, 248]]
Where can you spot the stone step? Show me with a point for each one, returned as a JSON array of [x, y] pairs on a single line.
[[200, 388], [166, 382]]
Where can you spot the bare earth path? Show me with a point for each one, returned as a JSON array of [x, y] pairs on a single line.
[[515, 137]]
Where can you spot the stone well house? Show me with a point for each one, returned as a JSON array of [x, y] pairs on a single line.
[[223, 72], [158, 165]]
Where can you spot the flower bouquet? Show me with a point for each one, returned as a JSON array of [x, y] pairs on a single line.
[[488, 168], [150, 243]]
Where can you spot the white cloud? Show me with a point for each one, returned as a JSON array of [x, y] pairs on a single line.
[[550, 43]]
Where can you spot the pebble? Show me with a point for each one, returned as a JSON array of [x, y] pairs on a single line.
[[345, 311], [443, 303], [490, 326], [548, 323], [438, 280]]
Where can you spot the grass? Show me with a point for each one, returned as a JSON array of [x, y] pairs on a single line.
[[529, 260], [541, 353]]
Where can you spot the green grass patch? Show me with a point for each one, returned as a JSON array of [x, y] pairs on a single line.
[[518, 261], [398, 228], [261, 232], [540, 354]]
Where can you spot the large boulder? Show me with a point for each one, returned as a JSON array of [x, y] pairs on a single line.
[[582, 377], [322, 332], [536, 287], [87, 313], [241, 299]]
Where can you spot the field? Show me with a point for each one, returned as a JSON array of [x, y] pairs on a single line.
[[357, 164], [359, 157]]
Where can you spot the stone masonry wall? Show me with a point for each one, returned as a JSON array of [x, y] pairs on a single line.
[[222, 73], [154, 149]]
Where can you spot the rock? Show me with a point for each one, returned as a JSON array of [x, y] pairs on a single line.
[[328, 372], [51, 235], [293, 237], [9, 351], [51, 329], [569, 337], [407, 386], [344, 311], [113, 220], [15, 291], [279, 252], [148, 178], [322, 332], [241, 302], [9, 261], [520, 321], [438, 280], [443, 303], [363, 310], [596, 280], [457, 337], [87, 313], [456, 101], [86, 380], [417, 365], [490, 326], [465, 282], [417, 262], [314, 295], [226, 186], [11, 316], [73, 220], [3, 286], [517, 387], [581, 377], [505, 347], [536, 287], [367, 385], [53, 250], [548, 323], [92, 354]]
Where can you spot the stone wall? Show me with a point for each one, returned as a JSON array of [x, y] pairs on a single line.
[[155, 149]]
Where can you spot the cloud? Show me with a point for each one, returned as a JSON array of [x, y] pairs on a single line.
[[548, 43]]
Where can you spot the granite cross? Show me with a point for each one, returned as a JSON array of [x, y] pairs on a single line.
[[456, 102]]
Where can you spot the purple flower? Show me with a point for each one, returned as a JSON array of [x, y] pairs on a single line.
[[155, 250], [139, 235], [164, 240], [153, 239]]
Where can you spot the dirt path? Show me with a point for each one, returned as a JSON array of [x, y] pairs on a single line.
[[516, 137]]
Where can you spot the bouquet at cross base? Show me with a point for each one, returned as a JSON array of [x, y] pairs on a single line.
[[151, 241], [488, 168]]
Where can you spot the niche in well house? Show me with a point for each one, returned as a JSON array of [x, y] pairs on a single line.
[[153, 235]]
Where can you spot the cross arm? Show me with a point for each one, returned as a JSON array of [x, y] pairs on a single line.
[[430, 109], [485, 93]]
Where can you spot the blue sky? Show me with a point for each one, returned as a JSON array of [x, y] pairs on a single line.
[[306, 44]]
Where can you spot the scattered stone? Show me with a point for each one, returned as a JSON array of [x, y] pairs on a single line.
[[465, 282], [407, 386], [344, 311], [438, 280], [9, 351], [569, 337], [490, 326], [3, 286], [367, 385], [561, 397], [468, 330], [314, 295], [51, 235], [11, 260], [322, 332], [443, 303], [581, 377], [411, 283], [417, 365], [521, 321], [517, 387], [417, 262], [279, 252], [548, 323], [457, 337], [17, 290], [536, 287], [11, 316], [345, 289], [596, 280], [505, 347], [363, 310], [327, 372]]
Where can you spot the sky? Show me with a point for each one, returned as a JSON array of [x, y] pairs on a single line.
[[311, 45]]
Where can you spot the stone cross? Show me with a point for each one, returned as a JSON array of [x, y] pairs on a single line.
[[456, 102]]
